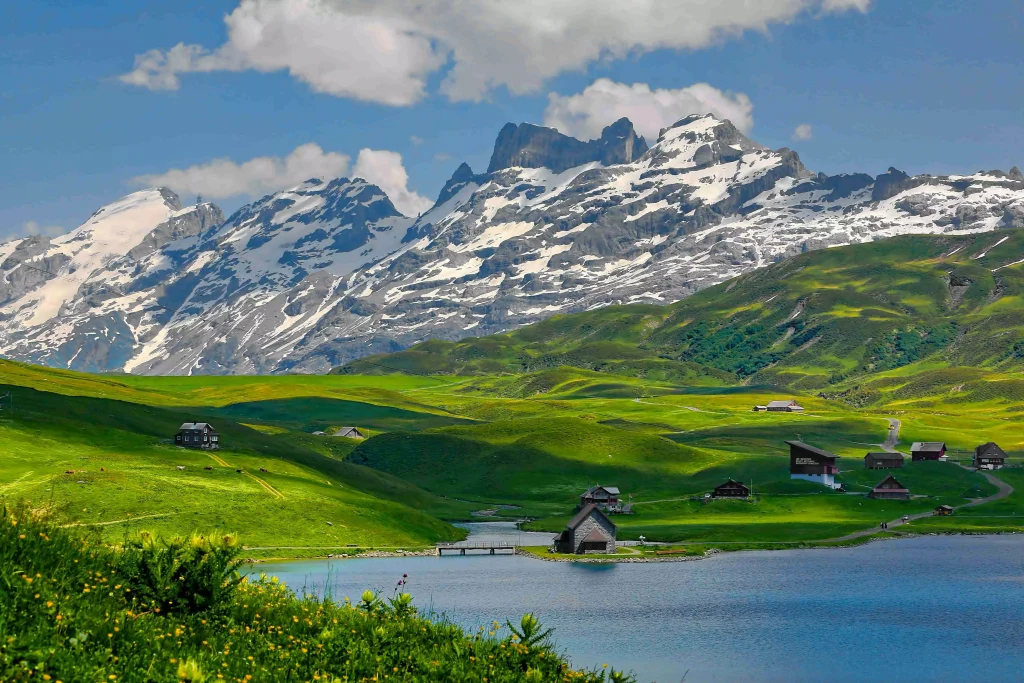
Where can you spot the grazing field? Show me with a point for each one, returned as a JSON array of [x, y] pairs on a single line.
[[441, 448]]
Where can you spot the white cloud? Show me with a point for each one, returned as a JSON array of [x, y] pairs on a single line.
[[584, 115], [416, 140], [225, 178], [385, 50], [386, 170], [442, 156], [29, 228], [803, 132]]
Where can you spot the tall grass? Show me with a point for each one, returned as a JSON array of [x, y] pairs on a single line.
[[74, 610]]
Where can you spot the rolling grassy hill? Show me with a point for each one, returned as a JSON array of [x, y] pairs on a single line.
[[833, 320]]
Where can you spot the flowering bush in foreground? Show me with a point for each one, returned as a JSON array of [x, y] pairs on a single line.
[[71, 610]]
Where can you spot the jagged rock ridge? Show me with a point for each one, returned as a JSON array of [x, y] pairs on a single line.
[[319, 274]]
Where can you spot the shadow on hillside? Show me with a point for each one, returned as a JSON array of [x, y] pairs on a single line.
[[319, 412], [744, 438]]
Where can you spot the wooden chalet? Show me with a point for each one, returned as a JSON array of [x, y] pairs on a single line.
[[786, 406], [603, 497], [197, 435], [883, 461], [731, 489], [927, 450], [760, 409], [350, 433], [890, 489], [944, 510], [590, 531], [989, 456], [812, 464]]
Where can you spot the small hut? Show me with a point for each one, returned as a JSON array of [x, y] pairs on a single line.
[[590, 531], [927, 450], [883, 461], [813, 464], [350, 433], [197, 435], [944, 510], [786, 406], [731, 489], [890, 489]]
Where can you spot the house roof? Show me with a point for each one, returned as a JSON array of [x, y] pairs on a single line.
[[928, 446], [812, 449], [347, 430], [611, 490], [782, 404], [587, 510], [596, 535], [990, 450], [944, 507], [732, 482], [890, 480], [195, 425], [884, 456]]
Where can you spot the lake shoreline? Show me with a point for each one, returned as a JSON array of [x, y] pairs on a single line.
[[633, 559]]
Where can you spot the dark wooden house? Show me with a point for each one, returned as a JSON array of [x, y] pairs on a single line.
[[989, 456], [604, 497], [883, 461], [590, 531], [786, 406], [731, 489], [890, 489], [927, 450], [944, 510], [812, 464], [197, 435], [350, 433]]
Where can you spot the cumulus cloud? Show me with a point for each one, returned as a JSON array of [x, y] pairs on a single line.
[[222, 178], [385, 169], [29, 228], [803, 132], [585, 114], [385, 50]]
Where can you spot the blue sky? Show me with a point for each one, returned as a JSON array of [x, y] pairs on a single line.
[[926, 86]]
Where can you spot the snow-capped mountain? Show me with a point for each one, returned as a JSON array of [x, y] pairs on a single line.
[[311, 277]]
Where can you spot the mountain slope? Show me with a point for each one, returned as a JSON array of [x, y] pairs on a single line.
[[829, 318], [329, 271]]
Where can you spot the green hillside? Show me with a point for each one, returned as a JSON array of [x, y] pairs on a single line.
[[823, 321]]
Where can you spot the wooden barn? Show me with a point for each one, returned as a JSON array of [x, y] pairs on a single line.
[[989, 456], [890, 489], [731, 489], [812, 464], [590, 531], [944, 510], [786, 406], [197, 435], [350, 433], [603, 497], [883, 461], [927, 450]]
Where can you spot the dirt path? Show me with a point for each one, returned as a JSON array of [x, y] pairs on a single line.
[[1004, 490], [894, 435], [263, 484]]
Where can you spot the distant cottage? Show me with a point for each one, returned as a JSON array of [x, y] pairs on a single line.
[[989, 456], [197, 435], [602, 497], [350, 433], [890, 489], [883, 461], [927, 450], [731, 489], [788, 406], [944, 510], [590, 531], [812, 464]]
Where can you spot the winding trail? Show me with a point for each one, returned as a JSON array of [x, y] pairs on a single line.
[[264, 485], [894, 435]]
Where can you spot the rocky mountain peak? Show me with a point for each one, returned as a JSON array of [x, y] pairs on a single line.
[[530, 146], [1016, 174]]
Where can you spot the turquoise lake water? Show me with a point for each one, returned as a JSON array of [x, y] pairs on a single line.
[[924, 609]]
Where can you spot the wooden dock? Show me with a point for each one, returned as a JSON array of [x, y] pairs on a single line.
[[492, 548]]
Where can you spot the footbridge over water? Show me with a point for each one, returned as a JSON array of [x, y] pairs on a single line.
[[491, 548]]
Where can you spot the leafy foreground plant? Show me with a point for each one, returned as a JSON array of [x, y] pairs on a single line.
[[72, 610]]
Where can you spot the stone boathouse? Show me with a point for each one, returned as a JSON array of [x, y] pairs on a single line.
[[590, 531]]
